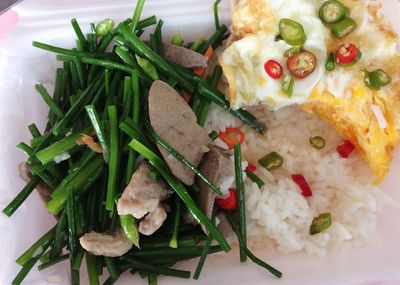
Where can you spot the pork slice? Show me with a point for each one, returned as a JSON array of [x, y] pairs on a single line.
[[143, 194], [153, 220], [223, 225], [172, 118], [183, 56], [106, 245], [216, 166]]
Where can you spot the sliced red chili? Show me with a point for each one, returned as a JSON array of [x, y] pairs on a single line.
[[232, 136], [228, 203], [346, 54], [303, 184], [345, 149], [251, 167], [302, 64], [273, 69]]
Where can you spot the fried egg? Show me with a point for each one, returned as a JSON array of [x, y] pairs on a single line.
[[368, 118]]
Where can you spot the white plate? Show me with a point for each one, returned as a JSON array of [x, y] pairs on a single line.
[[21, 66]]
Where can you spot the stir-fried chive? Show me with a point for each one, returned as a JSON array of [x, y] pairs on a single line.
[[253, 177], [240, 196], [52, 262], [34, 131], [182, 159], [158, 36], [61, 146], [21, 197], [130, 227], [148, 68], [163, 242], [58, 86], [133, 131], [152, 279], [205, 252], [112, 267], [104, 27], [49, 101], [203, 112], [36, 248], [70, 52], [136, 14], [137, 264], [99, 129], [166, 251], [216, 14], [28, 265], [81, 178], [79, 34], [25, 148], [114, 157], [177, 186], [79, 72], [59, 236], [107, 81], [149, 21], [72, 236], [107, 64], [252, 257], [82, 100], [144, 51], [197, 44], [213, 135], [45, 257], [218, 98], [215, 40], [91, 269], [174, 239]]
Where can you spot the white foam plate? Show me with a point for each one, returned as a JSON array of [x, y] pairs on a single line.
[[21, 66]]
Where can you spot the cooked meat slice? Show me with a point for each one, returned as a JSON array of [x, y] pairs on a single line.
[[217, 167], [106, 245], [143, 187], [135, 207], [26, 175], [223, 224], [172, 118], [183, 56], [142, 195], [153, 221]]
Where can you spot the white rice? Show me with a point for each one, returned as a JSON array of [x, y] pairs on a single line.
[[278, 214]]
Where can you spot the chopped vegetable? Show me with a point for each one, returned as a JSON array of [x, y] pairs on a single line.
[[320, 223], [147, 67], [177, 39], [292, 51], [330, 62], [114, 158], [317, 142], [130, 227], [174, 239], [303, 184], [273, 69], [344, 27], [348, 55], [345, 149], [271, 161], [104, 27], [228, 203], [332, 11], [292, 32], [232, 136], [251, 167], [302, 64], [377, 79], [240, 200], [288, 85], [253, 177]]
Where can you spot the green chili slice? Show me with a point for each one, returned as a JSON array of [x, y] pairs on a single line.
[[104, 27], [288, 85], [320, 223], [254, 178], [344, 27], [271, 161], [330, 62], [292, 51], [332, 11], [147, 67], [317, 142], [377, 79], [177, 39], [292, 32]]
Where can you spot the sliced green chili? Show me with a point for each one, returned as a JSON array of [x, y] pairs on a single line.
[[332, 11], [344, 27], [288, 85], [330, 62], [104, 27], [292, 32], [317, 142], [253, 177], [177, 39], [320, 223], [271, 161], [377, 79], [130, 227]]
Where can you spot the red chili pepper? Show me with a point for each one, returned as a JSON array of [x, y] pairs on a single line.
[[346, 54], [303, 184], [186, 96], [345, 149], [232, 136], [273, 69], [251, 167], [229, 203]]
